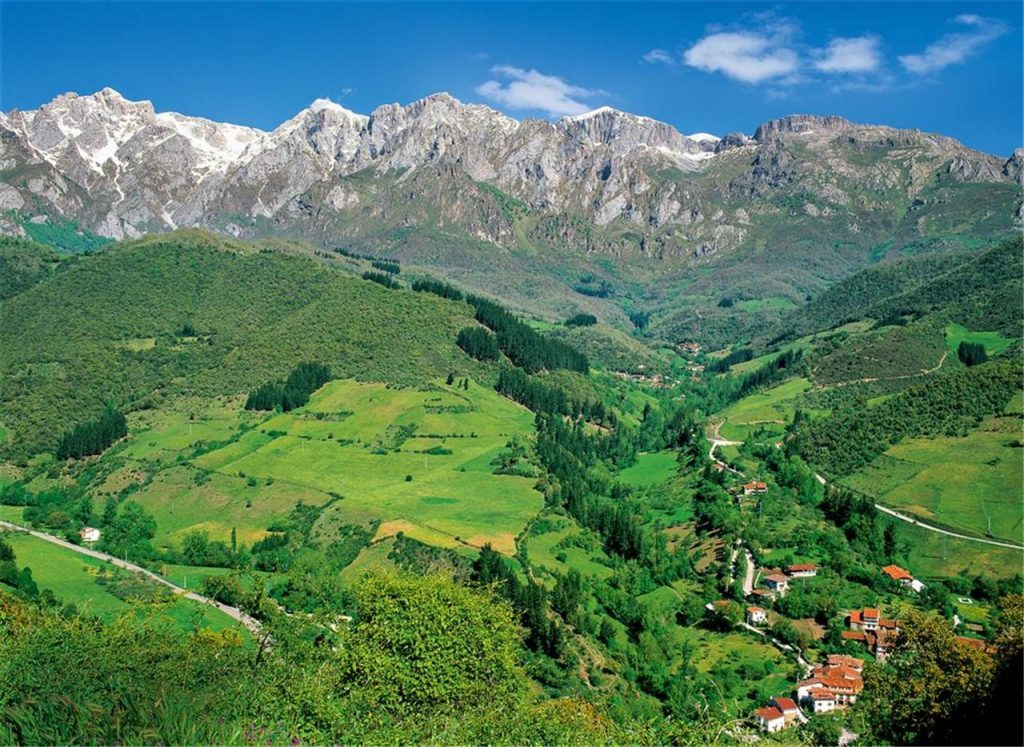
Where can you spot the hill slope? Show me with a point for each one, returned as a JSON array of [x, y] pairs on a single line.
[[191, 313]]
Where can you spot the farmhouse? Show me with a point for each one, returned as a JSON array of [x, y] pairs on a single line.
[[802, 570], [870, 619], [756, 616], [823, 700], [755, 488], [771, 719], [89, 534], [830, 687], [790, 710], [904, 577], [777, 582]]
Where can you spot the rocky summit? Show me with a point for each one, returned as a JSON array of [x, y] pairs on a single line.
[[446, 184]]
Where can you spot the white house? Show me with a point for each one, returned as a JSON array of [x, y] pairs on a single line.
[[770, 718], [823, 699], [802, 570], [89, 534], [777, 582], [756, 616]]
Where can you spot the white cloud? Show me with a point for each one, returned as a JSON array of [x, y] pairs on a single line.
[[529, 89], [957, 47], [656, 56], [745, 55], [859, 54]]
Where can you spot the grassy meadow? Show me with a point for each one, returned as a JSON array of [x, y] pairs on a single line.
[[418, 460], [72, 577], [970, 484]]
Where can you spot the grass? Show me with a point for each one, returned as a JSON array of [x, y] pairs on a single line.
[[366, 443], [970, 484], [371, 559], [72, 578], [12, 513], [651, 468], [771, 408], [544, 554], [762, 304], [994, 342], [934, 555]]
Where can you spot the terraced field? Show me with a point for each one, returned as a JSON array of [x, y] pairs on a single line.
[[419, 461]]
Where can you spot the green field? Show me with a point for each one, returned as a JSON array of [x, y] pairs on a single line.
[[771, 408], [542, 551], [650, 469], [994, 342], [763, 304], [971, 484], [72, 578], [12, 513], [934, 555], [417, 460]]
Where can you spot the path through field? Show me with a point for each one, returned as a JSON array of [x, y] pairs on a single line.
[[233, 612]]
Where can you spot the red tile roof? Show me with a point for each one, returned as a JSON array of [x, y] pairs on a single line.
[[897, 574], [871, 612], [837, 660], [785, 704], [755, 609], [798, 567], [822, 693], [770, 713], [854, 635], [776, 578]]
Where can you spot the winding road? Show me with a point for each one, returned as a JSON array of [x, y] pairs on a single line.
[[911, 520], [233, 612]]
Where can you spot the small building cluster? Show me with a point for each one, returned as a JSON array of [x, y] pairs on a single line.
[[777, 715], [867, 626], [830, 686], [776, 581], [833, 685]]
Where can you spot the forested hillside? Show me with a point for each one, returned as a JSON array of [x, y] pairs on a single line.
[[190, 313]]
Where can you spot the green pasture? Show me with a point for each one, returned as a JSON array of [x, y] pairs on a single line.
[[651, 468], [12, 513], [971, 484], [994, 342], [72, 578], [933, 555], [771, 408], [367, 445], [543, 553], [764, 304]]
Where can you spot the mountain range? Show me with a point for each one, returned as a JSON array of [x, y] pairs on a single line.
[[607, 212]]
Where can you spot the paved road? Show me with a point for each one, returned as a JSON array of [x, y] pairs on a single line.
[[748, 579], [930, 528], [911, 520], [233, 612]]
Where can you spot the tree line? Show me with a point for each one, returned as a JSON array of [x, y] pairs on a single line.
[[294, 392], [94, 436], [949, 405], [523, 345]]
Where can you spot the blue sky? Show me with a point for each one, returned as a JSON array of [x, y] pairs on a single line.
[[948, 67]]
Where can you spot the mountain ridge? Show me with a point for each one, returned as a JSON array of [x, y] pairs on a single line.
[[532, 211]]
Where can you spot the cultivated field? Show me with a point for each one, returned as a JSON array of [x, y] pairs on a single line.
[[417, 460]]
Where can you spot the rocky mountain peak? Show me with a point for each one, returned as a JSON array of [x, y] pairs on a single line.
[[804, 124]]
